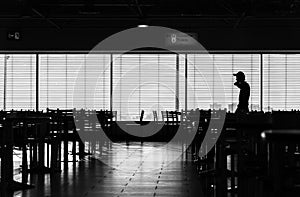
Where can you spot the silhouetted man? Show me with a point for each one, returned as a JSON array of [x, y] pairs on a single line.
[[244, 92]]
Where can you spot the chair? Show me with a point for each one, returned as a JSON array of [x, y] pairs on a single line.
[[190, 123], [171, 117], [171, 122], [284, 151], [142, 117], [114, 116], [164, 116], [55, 128], [155, 118]]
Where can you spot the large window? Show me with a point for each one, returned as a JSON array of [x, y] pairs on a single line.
[[143, 82], [202, 95], [281, 87], [2, 62], [20, 78], [58, 76], [149, 82]]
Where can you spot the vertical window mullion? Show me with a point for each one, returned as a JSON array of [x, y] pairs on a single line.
[[66, 85], [261, 82], [37, 64], [177, 84], [185, 82], [285, 97], [140, 70], [111, 81]]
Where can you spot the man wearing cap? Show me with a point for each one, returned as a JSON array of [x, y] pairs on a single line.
[[244, 92]]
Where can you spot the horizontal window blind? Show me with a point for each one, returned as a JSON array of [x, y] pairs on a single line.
[[96, 82], [21, 82], [250, 65], [52, 87], [143, 82], [200, 95], [281, 84], [293, 81], [182, 82], [3, 60], [148, 81], [58, 76]]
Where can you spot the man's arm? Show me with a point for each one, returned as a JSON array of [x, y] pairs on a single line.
[[238, 84]]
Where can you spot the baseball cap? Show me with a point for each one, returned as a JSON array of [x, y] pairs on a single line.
[[239, 74]]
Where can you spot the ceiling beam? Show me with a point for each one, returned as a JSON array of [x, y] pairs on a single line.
[[95, 4], [47, 19], [140, 12]]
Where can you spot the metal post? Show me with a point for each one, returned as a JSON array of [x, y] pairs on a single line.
[[6, 57], [37, 82], [261, 82], [177, 84]]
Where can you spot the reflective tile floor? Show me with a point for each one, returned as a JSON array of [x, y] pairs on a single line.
[[148, 169]]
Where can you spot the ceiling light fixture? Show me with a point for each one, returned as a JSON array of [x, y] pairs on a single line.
[[143, 25]]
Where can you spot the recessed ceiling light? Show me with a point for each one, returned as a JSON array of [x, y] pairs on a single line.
[[143, 25]]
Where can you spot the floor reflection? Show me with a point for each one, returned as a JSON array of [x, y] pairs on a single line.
[[148, 169]]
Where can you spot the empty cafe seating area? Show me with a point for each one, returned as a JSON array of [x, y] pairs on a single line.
[[144, 98], [252, 155], [140, 130]]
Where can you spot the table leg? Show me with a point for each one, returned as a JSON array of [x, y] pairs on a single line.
[[7, 182]]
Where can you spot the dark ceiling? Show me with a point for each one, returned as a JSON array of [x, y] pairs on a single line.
[[127, 13]]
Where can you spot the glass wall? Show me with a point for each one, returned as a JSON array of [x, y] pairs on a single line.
[[281, 82], [143, 82], [200, 95], [130, 83], [18, 72], [58, 75]]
